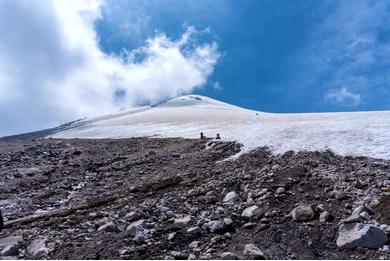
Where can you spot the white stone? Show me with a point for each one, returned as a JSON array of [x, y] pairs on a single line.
[[182, 222], [250, 212], [253, 252], [194, 244], [228, 256], [109, 227], [38, 249], [231, 197]]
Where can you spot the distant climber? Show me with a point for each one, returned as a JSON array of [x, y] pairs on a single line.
[[1, 222], [218, 137], [202, 136]]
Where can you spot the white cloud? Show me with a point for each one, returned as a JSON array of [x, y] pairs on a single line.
[[52, 69], [343, 97]]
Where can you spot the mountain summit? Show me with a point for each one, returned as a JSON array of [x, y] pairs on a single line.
[[347, 133]]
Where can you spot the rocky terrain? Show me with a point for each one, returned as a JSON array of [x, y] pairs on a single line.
[[146, 198]]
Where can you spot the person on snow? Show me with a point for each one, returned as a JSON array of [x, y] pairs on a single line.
[[202, 136], [218, 137]]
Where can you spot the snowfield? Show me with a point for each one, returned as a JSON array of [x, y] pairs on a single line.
[[346, 133]]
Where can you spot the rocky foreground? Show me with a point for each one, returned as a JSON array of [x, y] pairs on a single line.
[[180, 199]]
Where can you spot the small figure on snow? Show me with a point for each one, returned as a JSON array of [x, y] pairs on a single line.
[[202, 136], [218, 137]]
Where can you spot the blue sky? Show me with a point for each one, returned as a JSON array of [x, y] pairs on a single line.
[[62, 60], [277, 56]]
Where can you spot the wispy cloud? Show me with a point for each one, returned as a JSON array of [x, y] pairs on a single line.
[[348, 51], [342, 97], [53, 70]]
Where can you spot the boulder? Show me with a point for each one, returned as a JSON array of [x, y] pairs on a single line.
[[250, 212], [353, 235], [9, 246], [253, 252], [231, 198], [135, 227], [302, 213], [10, 250], [37, 249]]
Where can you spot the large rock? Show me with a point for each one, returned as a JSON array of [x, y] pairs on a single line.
[[353, 235], [37, 249], [253, 252], [134, 228], [250, 212], [302, 213], [9, 246], [231, 198]]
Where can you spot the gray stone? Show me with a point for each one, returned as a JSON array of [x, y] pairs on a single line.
[[171, 235], [215, 226], [356, 214], [193, 230], [231, 198], [227, 221], [339, 195], [179, 255], [228, 256], [302, 213], [139, 238], [135, 227], [10, 250], [253, 252], [182, 222], [132, 216], [109, 227], [194, 244], [353, 235], [250, 212], [37, 249], [170, 214], [325, 216], [280, 190], [10, 241]]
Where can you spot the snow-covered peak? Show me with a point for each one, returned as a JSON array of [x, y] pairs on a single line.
[[355, 133], [192, 100]]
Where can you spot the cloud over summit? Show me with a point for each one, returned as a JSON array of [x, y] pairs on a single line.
[[52, 68]]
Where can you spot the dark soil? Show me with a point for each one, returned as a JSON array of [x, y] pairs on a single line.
[[188, 178]]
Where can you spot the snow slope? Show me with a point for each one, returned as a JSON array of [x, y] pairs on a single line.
[[349, 133]]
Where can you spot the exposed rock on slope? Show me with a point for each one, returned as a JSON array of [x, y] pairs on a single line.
[[176, 198]]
